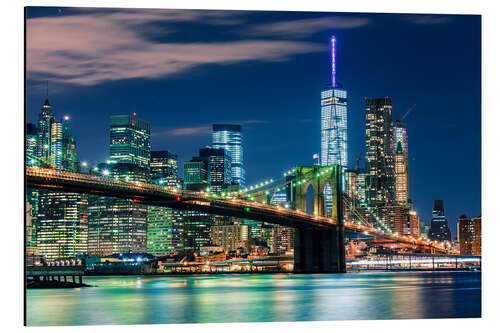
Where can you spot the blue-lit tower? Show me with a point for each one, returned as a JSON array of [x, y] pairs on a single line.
[[334, 119], [229, 137]]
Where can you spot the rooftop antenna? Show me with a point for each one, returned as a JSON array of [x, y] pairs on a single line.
[[332, 46]]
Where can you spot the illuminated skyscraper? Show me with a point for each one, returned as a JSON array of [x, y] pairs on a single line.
[[61, 217], [118, 225], [439, 229], [31, 144], [165, 225], [229, 137], [219, 168], [469, 235], [334, 120], [400, 147], [130, 140], [379, 164], [45, 121]]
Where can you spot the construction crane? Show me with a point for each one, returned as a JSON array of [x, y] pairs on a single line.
[[407, 112]]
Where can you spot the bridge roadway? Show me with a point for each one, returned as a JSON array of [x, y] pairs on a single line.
[[152, 194]]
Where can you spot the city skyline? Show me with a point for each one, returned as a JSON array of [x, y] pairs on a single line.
[[200, 130]]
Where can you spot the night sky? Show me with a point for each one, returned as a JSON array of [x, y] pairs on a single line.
[[185, 70]]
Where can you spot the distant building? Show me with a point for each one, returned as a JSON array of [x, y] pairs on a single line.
[[401, 176], [281, 240], [196, 174], [45, 121], [165, 231], [130, 140], [230, 138], [59, 218], [118, 225], [396, 218], [439, 229], [230, 237], [31, 144], [219, 168], [469, 235], [163, 166], [380, 183]]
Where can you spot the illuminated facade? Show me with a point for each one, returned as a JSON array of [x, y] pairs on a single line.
[[130, 140], [165, 225], [379, 164], [230, 138], [195, 175], [401, 177], [400, 148], [118, 225], [45, 121], [31, 144], [61, 229], [164, 168], [469, 235], [63, 146], [230, 237], [439, 229], [219, 168]]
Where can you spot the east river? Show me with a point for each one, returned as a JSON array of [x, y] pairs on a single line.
[[258, 298]]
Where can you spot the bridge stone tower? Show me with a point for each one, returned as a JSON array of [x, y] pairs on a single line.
[[319, 250]]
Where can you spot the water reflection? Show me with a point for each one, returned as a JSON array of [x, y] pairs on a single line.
[[240, 298]]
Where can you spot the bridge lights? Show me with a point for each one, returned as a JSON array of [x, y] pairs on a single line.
[[178, 198]]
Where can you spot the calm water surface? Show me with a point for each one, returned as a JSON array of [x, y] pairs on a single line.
[[240, 298]]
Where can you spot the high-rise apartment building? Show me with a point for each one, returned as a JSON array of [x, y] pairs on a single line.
[[230, 138], [31, 145], [164, 168], [439, 229], [469, 235], [379, 164]]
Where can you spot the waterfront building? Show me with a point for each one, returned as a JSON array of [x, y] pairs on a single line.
[[118, 225], [380, 180], [231, 237], [469, 235], [60, 218], [130, 140], [281, 240], [439, 229], [165, 225], [61, 230], [45, 121], [230, 138]]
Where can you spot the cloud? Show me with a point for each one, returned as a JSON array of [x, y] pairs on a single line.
[[90, 48], [427, 19], [308, 27], [184, 131], [201, 130]]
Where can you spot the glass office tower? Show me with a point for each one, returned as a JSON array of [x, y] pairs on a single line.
[[229, 137], [130, 140], [439, 229], [334, 120], [45, 121], [165, 225]]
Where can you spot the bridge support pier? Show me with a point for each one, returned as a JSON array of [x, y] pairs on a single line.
[[319, 251]]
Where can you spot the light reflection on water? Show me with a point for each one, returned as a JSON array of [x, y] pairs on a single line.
[[240, 298]]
